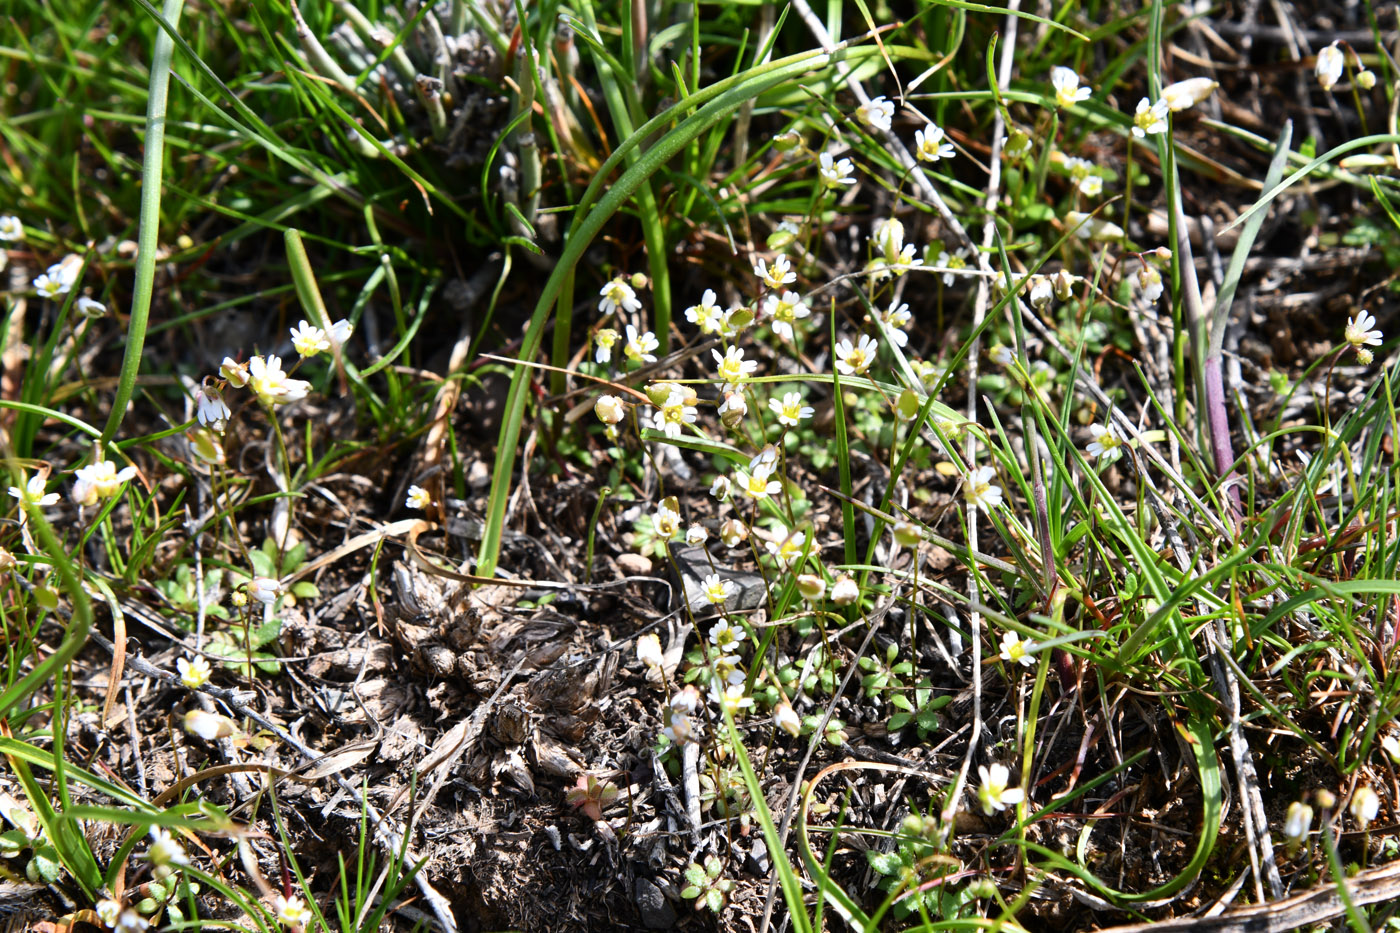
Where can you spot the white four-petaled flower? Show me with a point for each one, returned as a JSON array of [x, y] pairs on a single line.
[[308, 339], [194, 672], [100, 480], [834, 174], [1067, 89], [32, 492], [271, 384], [707, 314], [1016, 651], [929, 144], [980, 491], [776, 275], [417, 498], [618, 294], [1106, 444], [790, 410], [1150, 118], [993, 792], [640, 348], [876, 114], [855, 359]]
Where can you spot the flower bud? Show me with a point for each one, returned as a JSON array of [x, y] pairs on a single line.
[[906, 534], [786, 142], [209, 726], [1188, 93], [784, 718], [733, 533], [609, 409], [1365, 804], [1041, 292], [649, 650], [1365, 79], [639, 280], [1063, 283], [844, 591], [812, 586]]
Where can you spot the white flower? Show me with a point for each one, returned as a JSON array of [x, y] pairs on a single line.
[[834, 174], [164, 850], [1106, 445], [130, 922], [766, 460], [340, 332], [609, 409], [1298, 821], [618, 294], [790, 410], [844, 591], [876, 114], [666, 521], [993, 792], [733, 409], [1067, 89], [706, 315], [1186, 94], [308, 340], [787, 546], [720, 488], [107, 911], [1091, 186], [952, 262], [1092, 228], [777, 275], [1041, 291], [1391, 746], [640, 348], [696, 535], [1330, 62], [732, 368], [1002, 355], [235, 372], [11, 228], [210, 409], [194, 672], [980, 491], [1150, 118], [929, 145], [784, 718], [717, 590], [264, 589], [888, 235], [812, 586], [854, 360], [1150, 284], [757, 485], [100, 480], [417, 498], [674, 414], [32, 493], [649, 650], [268, 381], [784, 312], [603, 343], [733, 532], [49, 286], [89, 308], [732, 699], [291, 911], [1014, 650], [1359, 332], [1365, 804]]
